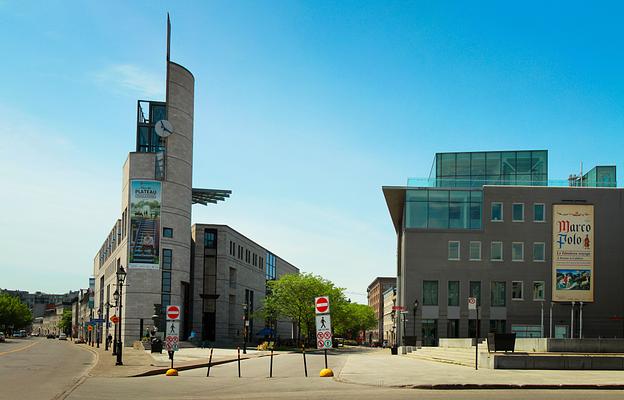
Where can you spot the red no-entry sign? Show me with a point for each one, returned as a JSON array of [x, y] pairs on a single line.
[[322, 305], [173, 313]]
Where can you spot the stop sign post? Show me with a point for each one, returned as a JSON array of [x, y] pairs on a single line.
[[321, 305]]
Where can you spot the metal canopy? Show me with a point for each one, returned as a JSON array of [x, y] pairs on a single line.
[[205, 196]]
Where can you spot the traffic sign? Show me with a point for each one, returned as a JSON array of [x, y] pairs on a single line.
[[472, 303], [323, 332], [97, 320], [172, 337], [173, 313], [321, 304], [114, 319], [399, 308], [90, 328]]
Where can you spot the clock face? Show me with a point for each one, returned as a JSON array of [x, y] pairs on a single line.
[[163, 128]]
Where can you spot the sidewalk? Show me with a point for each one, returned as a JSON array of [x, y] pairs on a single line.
[[379, 368], [143, 363]]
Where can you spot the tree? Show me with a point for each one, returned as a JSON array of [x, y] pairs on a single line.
[[14, 313], [292, 296], [65, 324], [355, 318]]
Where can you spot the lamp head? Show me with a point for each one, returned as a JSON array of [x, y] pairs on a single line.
[[121, 274]]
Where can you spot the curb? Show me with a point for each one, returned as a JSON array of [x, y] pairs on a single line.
[[505, 386], [162, 370]]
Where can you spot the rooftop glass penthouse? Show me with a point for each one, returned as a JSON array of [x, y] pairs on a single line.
[[452, 196]]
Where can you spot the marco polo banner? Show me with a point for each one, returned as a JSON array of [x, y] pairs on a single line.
[[573, 253], [145, 198]]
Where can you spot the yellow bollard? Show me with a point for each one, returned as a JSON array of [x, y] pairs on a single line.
[[172, 372], [326, 373]]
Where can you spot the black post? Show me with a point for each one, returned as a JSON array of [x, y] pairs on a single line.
[[209, 362], [171, 353], [121, 275], [414, 323], [98, 332], [325, 358], [106, 322], [305, 366], [477, 342], [245, 327], [271, 369], [238, 351]]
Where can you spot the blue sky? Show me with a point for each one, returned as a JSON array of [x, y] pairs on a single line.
[[303, 109]]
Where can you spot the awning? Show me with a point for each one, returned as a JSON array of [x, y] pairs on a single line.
[[205, 196]]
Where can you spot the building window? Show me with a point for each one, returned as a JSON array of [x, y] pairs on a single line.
[[255, 260], [240, 252], [443, 209], [475, 251], [232, 278], [498, 294], [232, 248], [475, 291], [516, 290], [496, 251], [167, 262], [210, 239], [517, 212], [168, 232], [167, 259], [453, 250], [498, 325], [539, 212], [453, 293], [538, 290], [539, 249], [430, 293], [517, 251], [497, 212], [270, 273]]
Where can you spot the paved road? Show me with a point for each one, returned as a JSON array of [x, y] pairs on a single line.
[[288, 382], [39, 368]]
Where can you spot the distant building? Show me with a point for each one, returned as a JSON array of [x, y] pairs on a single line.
[[389, 324], [38, 302], [375, 300]]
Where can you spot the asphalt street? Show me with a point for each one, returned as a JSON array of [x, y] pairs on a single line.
[[40, 368]]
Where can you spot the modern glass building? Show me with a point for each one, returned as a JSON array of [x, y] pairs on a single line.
[[483, 225]]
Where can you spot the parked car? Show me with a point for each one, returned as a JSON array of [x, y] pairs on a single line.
[[51, 336], [62, 336], [2, 337], [34, 334]]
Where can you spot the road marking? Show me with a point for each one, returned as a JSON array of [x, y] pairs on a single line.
[[20, 349]]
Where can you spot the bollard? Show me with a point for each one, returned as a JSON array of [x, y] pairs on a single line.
[[238, 351], [271, 369], [209, 362], [305, 366]]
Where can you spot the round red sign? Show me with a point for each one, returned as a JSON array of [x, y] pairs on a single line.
[[173, 312], [322, 304]]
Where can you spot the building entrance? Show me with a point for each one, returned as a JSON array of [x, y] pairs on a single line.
[[430, 332]]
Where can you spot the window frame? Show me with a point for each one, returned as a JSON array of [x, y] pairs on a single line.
[[512, 252], [470, 251], [543, 252], [492, 284], [502, 251], [165, 230], [502, 209], [543, 289], [513, 217], [543, 213], [437, 292], [458, 250], [521, 298]]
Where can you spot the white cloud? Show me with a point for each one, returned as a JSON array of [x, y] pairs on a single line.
[[131, 80]]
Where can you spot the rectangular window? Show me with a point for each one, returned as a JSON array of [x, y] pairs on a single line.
[[210, 238], [453, 250], [232, 248], [516, 290], [475, 251], [539, 249], [270, 272], [475, 291], [232, 278], [539, 212], [168, 232], [430, 293], [497, 211], [167, 259], [453, 293], [517, 251], [517, 212], [498, 325], [538, 290], [496, 251], [498, 295]]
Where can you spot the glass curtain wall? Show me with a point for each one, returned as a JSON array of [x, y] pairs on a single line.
[[443, 209]]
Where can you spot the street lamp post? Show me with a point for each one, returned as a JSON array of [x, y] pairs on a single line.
[[107, 305], [114, 344], [245, 328], [414, 323], [98, 330], [121, 276]]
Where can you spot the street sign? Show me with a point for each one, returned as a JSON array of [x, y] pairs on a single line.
[[398, 308], [97, 320], [173, 312], [323, 332], [114, 319], [172, 337], [321, 304], [90, 328], [472, 303]]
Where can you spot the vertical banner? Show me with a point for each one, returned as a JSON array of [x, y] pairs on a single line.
[[573, 253], [145, 200]]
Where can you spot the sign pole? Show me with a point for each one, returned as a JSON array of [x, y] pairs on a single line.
[[209, 362], [477, 342], [305, 366], [325, 358]]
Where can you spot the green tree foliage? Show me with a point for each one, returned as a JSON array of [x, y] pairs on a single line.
[[292, 296], [14, 313], [355, 318], [65, 324]]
